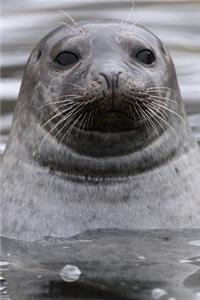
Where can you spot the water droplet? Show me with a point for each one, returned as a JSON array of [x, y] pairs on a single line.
[[70, 273], [158, 293], [195, 243]]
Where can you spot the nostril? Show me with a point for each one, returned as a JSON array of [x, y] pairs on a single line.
[[106, 79], [117, 79]]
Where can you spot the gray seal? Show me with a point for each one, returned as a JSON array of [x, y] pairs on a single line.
[[100, 138]]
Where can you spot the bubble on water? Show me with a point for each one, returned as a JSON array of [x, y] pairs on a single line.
[[195, 243], [70, 273], [39, 276], [158, 293], [141, 257]]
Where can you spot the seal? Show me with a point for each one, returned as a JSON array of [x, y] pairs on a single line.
[[99, 138]]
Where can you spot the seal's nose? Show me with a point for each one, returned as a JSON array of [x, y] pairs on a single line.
[[111, 80]]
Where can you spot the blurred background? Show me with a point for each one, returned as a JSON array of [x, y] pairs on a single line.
[[25, 22]]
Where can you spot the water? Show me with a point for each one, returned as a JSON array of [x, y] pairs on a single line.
[[115, 264], [105, 264]]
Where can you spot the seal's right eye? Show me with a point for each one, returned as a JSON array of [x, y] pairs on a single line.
[[146, 56], [66, 59]]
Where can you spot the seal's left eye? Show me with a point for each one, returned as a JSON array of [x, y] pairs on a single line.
[[66, 59], [146, 56]]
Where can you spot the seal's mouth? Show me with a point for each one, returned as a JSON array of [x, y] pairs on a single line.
[[113, 121]]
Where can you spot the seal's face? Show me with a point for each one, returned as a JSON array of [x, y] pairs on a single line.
[[103, 83]]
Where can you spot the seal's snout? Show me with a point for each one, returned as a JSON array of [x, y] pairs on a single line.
[[110, 82], [111, 79]]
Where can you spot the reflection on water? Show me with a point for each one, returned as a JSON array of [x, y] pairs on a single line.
[[24, 23], [115, 264]]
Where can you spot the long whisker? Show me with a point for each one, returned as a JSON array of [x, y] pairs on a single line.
[[61, 101], [149, 119], [146, 119], [164, 98], [89, 119], [154, 115], [124, 22], [156, 108], [69, 129], [84, 121], [58, 123], [68, 16], [76, 85], [168, 109], [60, 113], [159, 88], [78, 28], [66, 102], [163, 120], [67, 25], [67, 118]]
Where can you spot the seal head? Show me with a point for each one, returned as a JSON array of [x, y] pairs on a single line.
[[100, 94]]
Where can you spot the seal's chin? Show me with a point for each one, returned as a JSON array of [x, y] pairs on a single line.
[[113, 122]]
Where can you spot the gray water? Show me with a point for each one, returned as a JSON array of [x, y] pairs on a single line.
[[104, 265], [108, 264]]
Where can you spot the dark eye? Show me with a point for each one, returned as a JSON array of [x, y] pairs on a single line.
[[66, 59], [146, 56]]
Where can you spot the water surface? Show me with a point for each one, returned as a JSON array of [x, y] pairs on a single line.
[[104, 264]]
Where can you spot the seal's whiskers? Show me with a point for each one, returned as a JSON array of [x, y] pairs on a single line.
[[77, 26], [68, 100], [61, 112], [76, 85], [70, 129], [166, 108], [125, 22], [148, 118], [64, 118], [156, 116]]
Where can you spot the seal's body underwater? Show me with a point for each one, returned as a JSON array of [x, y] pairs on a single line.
[[99, 137]]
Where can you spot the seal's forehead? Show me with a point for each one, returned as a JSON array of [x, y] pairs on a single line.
[[99, 29]]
